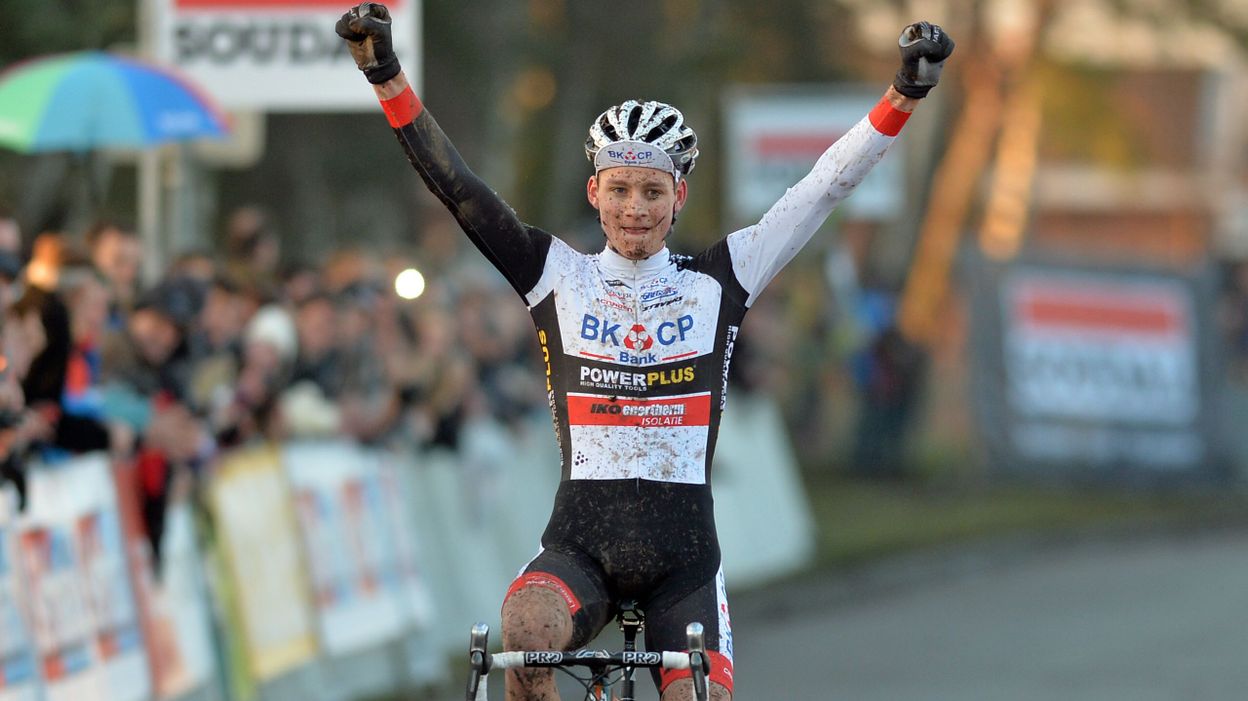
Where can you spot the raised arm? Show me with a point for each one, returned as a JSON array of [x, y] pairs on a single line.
[[516, 249], [760, 251]]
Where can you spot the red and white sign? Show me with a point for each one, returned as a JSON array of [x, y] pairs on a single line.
[[277, 55], [1100, 348], [774, 135]]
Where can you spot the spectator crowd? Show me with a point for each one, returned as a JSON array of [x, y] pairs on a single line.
[[225, 351]]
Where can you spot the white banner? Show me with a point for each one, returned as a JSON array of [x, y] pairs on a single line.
[[19, 677], [84, 617], [361, 577], [774, 135], [276, 55]]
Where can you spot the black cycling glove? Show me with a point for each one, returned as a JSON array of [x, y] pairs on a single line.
[[366, 27], [924, 48]]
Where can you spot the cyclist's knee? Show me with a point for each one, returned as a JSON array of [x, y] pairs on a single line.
[[682, 690], [535, 618]]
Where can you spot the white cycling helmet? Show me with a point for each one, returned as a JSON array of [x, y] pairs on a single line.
[[646, 134]]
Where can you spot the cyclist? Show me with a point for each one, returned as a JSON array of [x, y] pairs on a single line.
[[637, 342]]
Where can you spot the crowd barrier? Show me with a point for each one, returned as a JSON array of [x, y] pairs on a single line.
[[330, 572]]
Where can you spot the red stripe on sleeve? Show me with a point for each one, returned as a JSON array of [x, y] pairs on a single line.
[[402, 109], [886, 119]]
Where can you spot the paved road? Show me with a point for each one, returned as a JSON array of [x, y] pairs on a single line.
[[1139, 619], [1162, 617]]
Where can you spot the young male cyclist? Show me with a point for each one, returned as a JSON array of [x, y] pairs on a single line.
[[637, 342]]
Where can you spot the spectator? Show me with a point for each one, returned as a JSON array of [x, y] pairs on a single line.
[[370, 404], [270, 345], [319, 360], [24, 340], [300, 283], [435, 381], [10, 232], [155, 355], [499, 338], [252, 247], [117, 253], [82, 427], [889, 374], [149, 370], [216, 353], [10, 274], [45, 324], [195, 265]]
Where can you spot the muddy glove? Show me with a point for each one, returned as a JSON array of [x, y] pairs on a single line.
[[924, 48], [366, 27]]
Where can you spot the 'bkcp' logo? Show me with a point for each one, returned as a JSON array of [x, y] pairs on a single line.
[[638, 338]]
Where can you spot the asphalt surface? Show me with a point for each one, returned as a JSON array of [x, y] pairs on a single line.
[[1157, 617]]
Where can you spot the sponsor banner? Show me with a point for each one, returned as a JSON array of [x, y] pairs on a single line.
[[1085, 348], [173, 605], [416, 599], [349, 539], [276, 55], [84, 615], [1106, 370], [19, 677], [260, 545], [598, 410], [777, 135]]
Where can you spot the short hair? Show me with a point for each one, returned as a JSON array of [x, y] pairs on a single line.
[[96, 231]]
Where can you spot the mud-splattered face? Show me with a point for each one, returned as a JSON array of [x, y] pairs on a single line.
[[636, 207]]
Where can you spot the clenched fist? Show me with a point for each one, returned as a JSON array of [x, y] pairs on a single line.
[[924, 48], [366, 27]]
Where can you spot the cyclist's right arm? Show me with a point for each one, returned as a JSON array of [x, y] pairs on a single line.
[[516, 249]]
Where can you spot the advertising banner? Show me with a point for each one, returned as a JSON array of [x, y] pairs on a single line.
[[173, 605], [83, 611], [1096, 370], [410, 561], [778, 133], [19, 679], [360, 566], [260, 543], [276, 55]]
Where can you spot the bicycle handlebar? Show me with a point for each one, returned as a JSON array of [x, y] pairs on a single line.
[[588, 658], [482, 663]]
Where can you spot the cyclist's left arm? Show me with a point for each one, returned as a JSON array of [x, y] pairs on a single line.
[[760, 251]]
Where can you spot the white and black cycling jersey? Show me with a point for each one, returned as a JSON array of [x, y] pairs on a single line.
[[636, 361], [637, 352]]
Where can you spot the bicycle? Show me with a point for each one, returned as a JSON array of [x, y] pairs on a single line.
[[606, 670]]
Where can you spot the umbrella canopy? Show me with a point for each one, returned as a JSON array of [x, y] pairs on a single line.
[[92, 99]]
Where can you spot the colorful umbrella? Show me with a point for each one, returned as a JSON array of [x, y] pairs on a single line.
[[92, 99]]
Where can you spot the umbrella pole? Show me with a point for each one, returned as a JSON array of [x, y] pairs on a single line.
[[149, 215]]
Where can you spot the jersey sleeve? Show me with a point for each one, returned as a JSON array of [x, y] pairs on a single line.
[[515, 248], [761, 250]]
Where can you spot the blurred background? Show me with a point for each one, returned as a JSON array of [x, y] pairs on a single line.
[[272, 428]]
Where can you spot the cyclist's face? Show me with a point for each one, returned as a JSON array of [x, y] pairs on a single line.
[[636, 207]]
